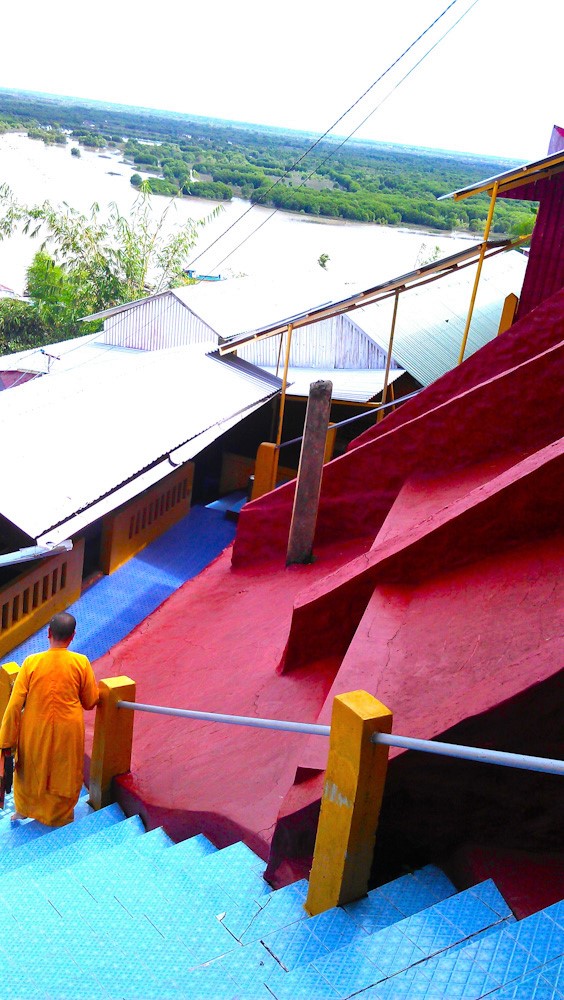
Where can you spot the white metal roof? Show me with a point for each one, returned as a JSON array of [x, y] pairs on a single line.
[[431, 319], [70, 439], [349, 385], [246, 303], [66, 355]]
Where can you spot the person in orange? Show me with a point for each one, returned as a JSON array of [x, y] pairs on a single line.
[[44, 725]]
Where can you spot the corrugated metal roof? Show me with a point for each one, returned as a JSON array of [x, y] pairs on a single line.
[[348, 385], [66, 355], [433, 271], [247, 303], [525, 174], [431, 319], [70, 439]]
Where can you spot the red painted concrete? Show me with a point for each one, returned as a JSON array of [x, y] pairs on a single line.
[[435, 586], [439, 531], [474, 656], [541, 331], [359, 487], [215, 646], [527, 881]]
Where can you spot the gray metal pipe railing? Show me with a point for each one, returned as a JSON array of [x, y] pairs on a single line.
[[235, 720], [357, 416], [480, 755]]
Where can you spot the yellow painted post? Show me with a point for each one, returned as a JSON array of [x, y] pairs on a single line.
[[481, 256], [113, 738], [8, 674], [508, 312], [380, 414], [266, 469], [330, 443], [351, 801]]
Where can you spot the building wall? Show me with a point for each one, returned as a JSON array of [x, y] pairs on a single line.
[[155, 325], [30, 601], [332, 343], [130, 528]]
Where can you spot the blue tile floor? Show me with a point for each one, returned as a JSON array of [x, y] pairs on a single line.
[[116, 604]]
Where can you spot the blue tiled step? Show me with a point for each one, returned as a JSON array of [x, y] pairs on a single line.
[[522, 960], [370, 959], [16, 834], [112, 912], [15, 854], [50, 857]]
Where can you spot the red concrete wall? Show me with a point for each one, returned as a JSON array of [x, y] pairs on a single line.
[[541, 330], [359, 488], [473, 656]]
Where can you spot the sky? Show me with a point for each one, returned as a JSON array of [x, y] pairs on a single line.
[[493, 85]]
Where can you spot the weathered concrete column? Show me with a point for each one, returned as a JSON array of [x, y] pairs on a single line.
[[350, 805], [113, 738], [310, 470]]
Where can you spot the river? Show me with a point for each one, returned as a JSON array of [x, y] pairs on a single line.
[[262, 243]]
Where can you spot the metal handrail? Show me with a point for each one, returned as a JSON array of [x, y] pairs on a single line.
[[236, 720], [481, 755], [357, 416]]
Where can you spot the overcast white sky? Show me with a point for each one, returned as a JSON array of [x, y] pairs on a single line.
[[493, 86]]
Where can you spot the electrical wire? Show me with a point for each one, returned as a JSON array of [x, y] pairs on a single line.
[[349, 136], [293, 166], [330, 129]]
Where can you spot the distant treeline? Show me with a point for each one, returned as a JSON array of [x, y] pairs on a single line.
[[196, 157]]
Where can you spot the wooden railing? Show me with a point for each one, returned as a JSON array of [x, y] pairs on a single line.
[[31, 600]]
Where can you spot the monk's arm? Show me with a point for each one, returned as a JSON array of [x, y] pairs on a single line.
[[9, 730], [89, 693]]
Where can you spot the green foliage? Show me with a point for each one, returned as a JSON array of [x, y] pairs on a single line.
[[21, 326], [75, 151], [136, 180], [361, 181], [87, 263], [323, 260]]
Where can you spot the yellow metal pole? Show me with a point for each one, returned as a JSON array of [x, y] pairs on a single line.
[[282, 401], [351, 801], [380, 413], [113, 738], [8, 674], [330, 443], [266, 466], [478, 272]]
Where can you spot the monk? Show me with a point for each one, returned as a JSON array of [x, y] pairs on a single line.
[[44, 726]]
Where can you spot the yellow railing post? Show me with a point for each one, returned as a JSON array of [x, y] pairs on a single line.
[[8, 674], [266, 468], [350, 805], [113, 738], [330, 442], [508, 313]]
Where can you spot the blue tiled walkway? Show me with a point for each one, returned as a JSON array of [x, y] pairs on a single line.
[[109, 610]]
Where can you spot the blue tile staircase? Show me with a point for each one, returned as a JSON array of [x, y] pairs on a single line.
[[102, 909]]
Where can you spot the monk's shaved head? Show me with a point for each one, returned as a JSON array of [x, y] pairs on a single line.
[[62, 626]]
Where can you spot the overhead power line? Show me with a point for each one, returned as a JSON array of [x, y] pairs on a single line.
[[332, 127]]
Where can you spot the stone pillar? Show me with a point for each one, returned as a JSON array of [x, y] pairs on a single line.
[[113, 738], [350, 804]]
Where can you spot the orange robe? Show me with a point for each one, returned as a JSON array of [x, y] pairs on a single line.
[[44, 721]]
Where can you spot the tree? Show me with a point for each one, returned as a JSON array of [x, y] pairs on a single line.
[[87, 263], [323, 260], [20, 326]]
